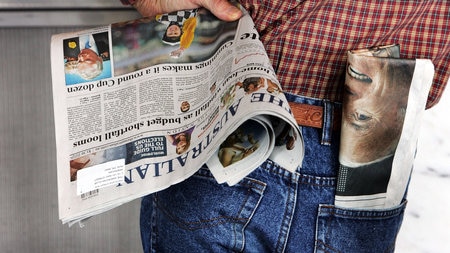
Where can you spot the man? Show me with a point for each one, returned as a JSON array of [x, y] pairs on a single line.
[[180, 29], [90, 64], [375, 101], [273, 210], [85, 55]]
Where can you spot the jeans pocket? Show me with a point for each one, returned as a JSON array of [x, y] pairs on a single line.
[[200, 202], [351, 230]]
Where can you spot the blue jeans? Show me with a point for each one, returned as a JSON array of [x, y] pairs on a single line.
[[271, 210]]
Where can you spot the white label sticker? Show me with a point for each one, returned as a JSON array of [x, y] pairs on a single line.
[[100, 176]]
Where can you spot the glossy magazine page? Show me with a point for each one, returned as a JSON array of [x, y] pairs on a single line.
[[384, 101]]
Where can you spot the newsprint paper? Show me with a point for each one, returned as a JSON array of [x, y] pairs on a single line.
[[139, 108], [384, 101]]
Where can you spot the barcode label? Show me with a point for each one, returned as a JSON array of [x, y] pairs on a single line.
[[89, 194], [100, 176]]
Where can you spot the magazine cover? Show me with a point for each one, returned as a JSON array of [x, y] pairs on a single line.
[[383, 104]]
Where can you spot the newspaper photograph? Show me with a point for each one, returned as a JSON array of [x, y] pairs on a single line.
[[141, 105], [384, 101], [250, 142]]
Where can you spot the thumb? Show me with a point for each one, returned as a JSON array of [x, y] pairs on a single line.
[[222, 9]]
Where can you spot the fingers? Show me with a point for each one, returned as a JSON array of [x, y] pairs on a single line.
[[150, 8], [220, 8]]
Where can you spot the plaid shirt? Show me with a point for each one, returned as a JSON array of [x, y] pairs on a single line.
[[307, 40]]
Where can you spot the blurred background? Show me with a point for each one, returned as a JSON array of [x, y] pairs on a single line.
[[28, 199], [426, 224]]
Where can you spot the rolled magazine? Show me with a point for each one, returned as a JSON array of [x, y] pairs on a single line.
[[383, 104]]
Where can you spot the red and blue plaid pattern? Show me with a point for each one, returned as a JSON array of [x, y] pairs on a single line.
[[307, 40]]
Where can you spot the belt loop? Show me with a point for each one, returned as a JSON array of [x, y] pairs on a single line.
[[327, 129]]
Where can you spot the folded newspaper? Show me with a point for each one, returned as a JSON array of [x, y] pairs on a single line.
[[384, 101], [142, 105]]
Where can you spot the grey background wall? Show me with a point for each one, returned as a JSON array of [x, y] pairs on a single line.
[[28, 194]]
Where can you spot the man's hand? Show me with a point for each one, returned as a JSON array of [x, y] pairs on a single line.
[[220, 8]]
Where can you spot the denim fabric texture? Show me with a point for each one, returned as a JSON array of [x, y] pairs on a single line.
[[271, 210]]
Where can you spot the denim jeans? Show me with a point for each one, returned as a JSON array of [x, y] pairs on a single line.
[[271, 210]]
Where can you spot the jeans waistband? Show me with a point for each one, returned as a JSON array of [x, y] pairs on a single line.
[[317, 113]]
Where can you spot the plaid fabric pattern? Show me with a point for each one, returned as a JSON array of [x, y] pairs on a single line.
[[307, 40]]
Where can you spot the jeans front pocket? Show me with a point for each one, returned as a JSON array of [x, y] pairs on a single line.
[[358, 231], [190, 215]]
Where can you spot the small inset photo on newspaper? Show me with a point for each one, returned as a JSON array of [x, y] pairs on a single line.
[[86, 58]]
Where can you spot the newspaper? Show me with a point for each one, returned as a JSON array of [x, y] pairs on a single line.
[[138, 109], [382, 112]]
